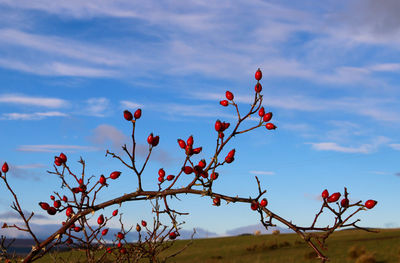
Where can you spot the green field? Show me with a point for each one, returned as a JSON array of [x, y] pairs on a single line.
[[383, 247]]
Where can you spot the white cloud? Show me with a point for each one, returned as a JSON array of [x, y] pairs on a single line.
[[55, 148], [106, 133], [131, 105], [96, 107], [395, 146], [262, 172], [32, 116], [33, 101]]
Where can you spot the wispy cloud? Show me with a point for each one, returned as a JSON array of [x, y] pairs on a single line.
[[33, 101], [262, 172], [55, 148], [96, 107], [395, 146], [32, 116]]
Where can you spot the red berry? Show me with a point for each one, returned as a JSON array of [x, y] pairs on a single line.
[[267, 117], [204, 174], [102, 180], [161, 179], [344, 202], [156, 140], [161, 172], [264, 202], [115, 175], [214, 176], [229, 95], [231, 154], [334, 197], [80, 181], [258, 74], [109, 250], [82, 188], [218, 126], [182, 143], [137, 114], [5, 168], [69, 241], [63, 157], [202, 163], [258, 88], [190, 141], [75, 190], [100, 220], [225, 125], [370, 204], [119, 245], [221, 135], [52, 197], [120, 235], [58, 161], [217, 201], [150, 139], [77, 228], [170, 177], [57, 204], [65, 199], [138, 228], [224, 103], [144, 223], [104, 232], [123, 250], [197, 150], [254, 205], [128, 115], [325, 194], [229, 160], [69, 211], [172, 235], [52, 211], [261, 112], [187, 169], [270, 126], [44, 205], [115, 212]]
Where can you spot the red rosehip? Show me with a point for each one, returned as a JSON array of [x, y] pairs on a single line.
[[115, 175], [119, 245], [44, 205], [254, 205], [204, 174], [197, 150], [190, 141], [138, 228], [120, 235], [80, 181], [144, 223], [77, 228], [150, 139], [267, 117], [202, 163], [76, 190], [161, 179], [221, 135], [137, 114], [231, 154], [5, 167], [58, 161], [229, 160], [214, 176], [187, 170], [270, 126], [123, 250], [52, 211], [104, 232], [63, 157], [57, 204], [69, 211], [264, 202], [258, 74], [224, 103], [52, 197], [225, 125], [170, 177], [172, 235], [182, 143], [128, 115], [218, 126], [161, 172], [334, 197], [217, 201], [109, 250], [156, 140], [100, 220], [370, 204], [102, 180], [258, 88], [344, 202], [261, 112], [229, 95], [115, 212], [69, 241], [325, 194], [65, 199]]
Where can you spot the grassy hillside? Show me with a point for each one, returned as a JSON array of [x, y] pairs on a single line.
[[383, 247]]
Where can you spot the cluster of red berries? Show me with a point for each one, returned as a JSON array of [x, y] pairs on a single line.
[[231, 156], [129, 117], [255, 204], [59, 160], [52, 210], [114, 175], [153, 140], [344, 202], [188, 146]]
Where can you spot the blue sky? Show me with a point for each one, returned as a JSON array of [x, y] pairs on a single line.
[[330, 76]]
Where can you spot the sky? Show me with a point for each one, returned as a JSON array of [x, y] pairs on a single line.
[[330, 76]]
